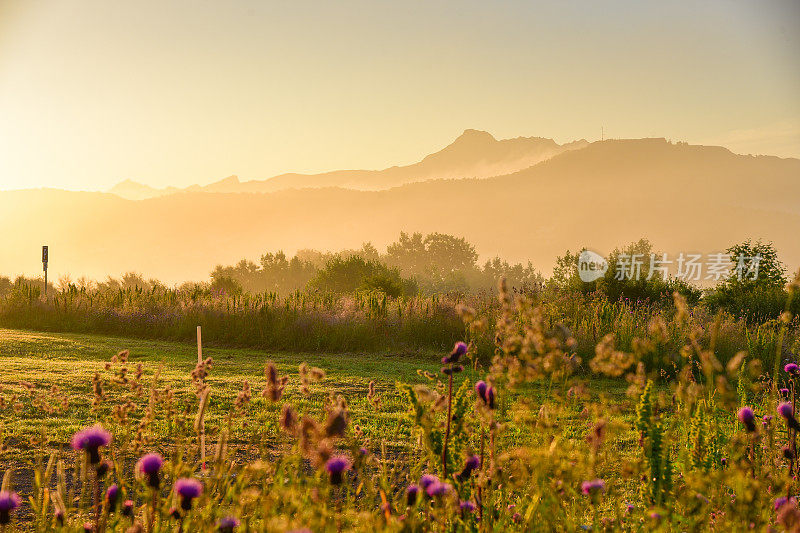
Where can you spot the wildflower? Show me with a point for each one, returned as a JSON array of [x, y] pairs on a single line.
[[90, 440], [459, 349], [655, 516], [8, 502], [127, 508], [427, 480], [438, 488], [784, 393], [787, 411], [792, 368], [780, 502], [788, 453], [480, 389], [88, 527], [227, 524], [486, 393], [150, 465], [411, 494], [593, 488], [112, 495], [188, 489], [723, 462], [472, 462], [336, 467], [490, 397], [466, 507], [747, 418]]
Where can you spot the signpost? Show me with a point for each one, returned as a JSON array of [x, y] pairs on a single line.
[[44, 265]]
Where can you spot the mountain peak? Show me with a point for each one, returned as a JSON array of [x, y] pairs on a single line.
[[473, 136]]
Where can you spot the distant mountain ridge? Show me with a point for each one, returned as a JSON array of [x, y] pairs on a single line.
[[474, 154], [684, 198]]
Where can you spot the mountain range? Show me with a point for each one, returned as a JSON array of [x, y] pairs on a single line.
[[474, 154], [684, 198]]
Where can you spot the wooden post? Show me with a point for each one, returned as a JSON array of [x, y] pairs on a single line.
[[199, 346], [203, 425], [45, 258]]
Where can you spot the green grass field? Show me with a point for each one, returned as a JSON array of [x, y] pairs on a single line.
[[69, 362]]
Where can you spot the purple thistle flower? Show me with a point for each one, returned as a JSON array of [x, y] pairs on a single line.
[[787, 411], [127, 508], [792, 368], [747, 417], [411, 494], [466, 507], [112, 495], [90, 440], [480, 390], [437, 488], [490, 397], [336, 466], [472, 462], [149, 466], [784, 393], [427, 480], [228, 524], [8, 502], [780, 502], [458, 350], [188, 489], [593, 487]]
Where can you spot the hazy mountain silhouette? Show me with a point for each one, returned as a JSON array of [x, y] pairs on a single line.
[[683, 198], [474, 154], [137, 191]]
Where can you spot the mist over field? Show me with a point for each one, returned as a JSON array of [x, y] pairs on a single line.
[[548, 199]]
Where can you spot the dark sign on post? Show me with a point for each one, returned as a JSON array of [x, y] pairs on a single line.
[[44, 265]]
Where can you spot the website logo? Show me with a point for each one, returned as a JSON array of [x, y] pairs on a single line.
[[591, 266]]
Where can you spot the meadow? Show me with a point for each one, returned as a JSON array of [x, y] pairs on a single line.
[[548, 412]]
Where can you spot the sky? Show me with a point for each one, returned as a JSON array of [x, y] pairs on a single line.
[[184, 92]]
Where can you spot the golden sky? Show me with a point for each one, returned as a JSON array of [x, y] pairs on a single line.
[[175, 93]]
